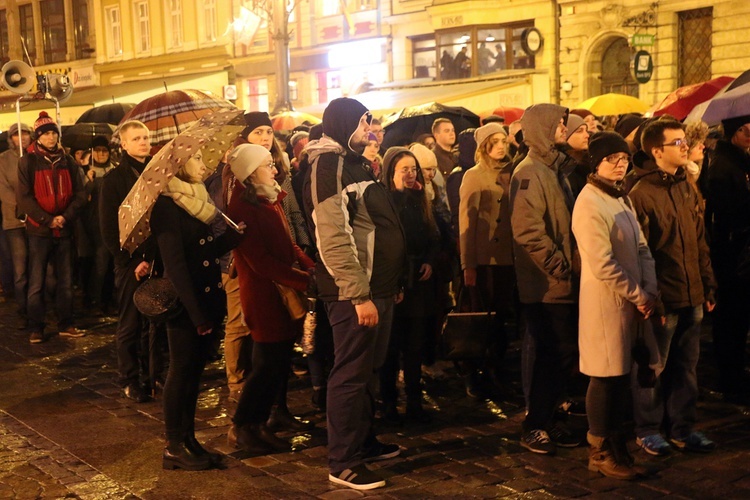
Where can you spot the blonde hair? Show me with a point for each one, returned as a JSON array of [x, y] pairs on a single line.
[[482, 154], [696, 132], [129, 125]]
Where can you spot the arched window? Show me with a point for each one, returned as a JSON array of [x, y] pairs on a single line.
[[616, 74]]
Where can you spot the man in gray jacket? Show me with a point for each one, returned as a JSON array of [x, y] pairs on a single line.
[[541, 203]]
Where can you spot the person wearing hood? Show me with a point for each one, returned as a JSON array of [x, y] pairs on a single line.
[[265, 257], [618, 292], [414, 316], [180, 224], [729, 203], [99, 166], [577, 168], [540, 206], [486, 240], [666, 208], [362, 247], [50, 218], [15, 229]]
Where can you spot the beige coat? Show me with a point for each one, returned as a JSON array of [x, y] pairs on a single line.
[[617, 273], [483, 219]]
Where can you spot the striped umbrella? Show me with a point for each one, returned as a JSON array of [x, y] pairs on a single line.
[[169, 113], [287, 120]]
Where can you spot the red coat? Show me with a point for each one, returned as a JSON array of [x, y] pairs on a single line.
[[265, 256]]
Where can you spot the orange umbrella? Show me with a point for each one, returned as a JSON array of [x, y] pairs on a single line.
[[288, 120]]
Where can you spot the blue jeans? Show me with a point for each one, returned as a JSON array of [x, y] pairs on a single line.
[[676, 391], [42, 251], [19, 251], [359, 352]]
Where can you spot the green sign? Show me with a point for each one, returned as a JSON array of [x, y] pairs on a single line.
[[643, 66], [642, 40]]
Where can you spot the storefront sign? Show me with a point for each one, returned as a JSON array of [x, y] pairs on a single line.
[[82, 77], [643, 66], [642, 40]]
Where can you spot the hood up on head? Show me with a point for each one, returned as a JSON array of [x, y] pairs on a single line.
[[341, 119], [13, 129], [389, 163], [539, 124]]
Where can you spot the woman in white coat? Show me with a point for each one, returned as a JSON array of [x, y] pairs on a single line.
[[618, 292]]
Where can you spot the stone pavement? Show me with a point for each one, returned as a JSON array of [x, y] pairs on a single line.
[[65, 432]]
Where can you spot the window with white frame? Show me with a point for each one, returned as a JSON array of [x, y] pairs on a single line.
[[114, 31], [209, 21], [174, 22], [331, 7], [142, 26]]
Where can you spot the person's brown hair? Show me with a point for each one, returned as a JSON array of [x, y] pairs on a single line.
[[437, 122], [482, 154], [653, 135]]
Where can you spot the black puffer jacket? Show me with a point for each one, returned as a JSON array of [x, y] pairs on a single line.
[[667, 209]]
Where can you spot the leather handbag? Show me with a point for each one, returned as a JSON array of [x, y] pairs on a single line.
[[294, 301], [156, 298], [466, 335]]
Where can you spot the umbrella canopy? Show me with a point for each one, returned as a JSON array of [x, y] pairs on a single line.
[[287, 120], [109, 113], [613, 104], [405, 125], [680, 102], [509, 114], [80, 135], [740, 80], [731, 104], [169, 113], [212, 134]]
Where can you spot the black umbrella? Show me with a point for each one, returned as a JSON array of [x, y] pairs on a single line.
[[740, 80], [404, 126], [109, 113], [80, 135]]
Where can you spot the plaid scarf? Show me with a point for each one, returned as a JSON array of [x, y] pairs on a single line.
[[193, 198], [53, 156]]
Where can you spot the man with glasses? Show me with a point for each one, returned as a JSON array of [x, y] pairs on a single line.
[[666, 206], [377, 129], [729, 202]]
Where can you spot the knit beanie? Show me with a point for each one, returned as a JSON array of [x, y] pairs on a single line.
[[732, 125], [485, 131], [583, 113], [424, 155], [574, 123], [298, 136], [255, 119], [696, 132], [604, 144], [44, 124], [246, 158], [99, 141], [627, 123]]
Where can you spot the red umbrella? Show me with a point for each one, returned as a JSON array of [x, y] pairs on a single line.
[[287, 120], [680, 102], [169, 113], [509, 114]]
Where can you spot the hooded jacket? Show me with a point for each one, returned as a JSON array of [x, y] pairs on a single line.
[[667, 209], [355, 226], [9, 179], [540, 218]]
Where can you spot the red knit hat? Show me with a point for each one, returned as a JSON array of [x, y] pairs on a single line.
[[44, 124]]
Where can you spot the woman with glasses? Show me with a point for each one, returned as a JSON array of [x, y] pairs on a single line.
[[266, 256], [618, 291]]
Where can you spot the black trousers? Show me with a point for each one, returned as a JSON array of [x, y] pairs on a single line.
[[271, 362], [187, 358], [554, 329], [131, 336], [731, 321]]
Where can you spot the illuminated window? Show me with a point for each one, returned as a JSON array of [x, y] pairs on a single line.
[[81, 28], [26, 18], [174, 22], [209, 20], [365, 4], [423, 57], [4, 44], [143, 30], [114, 31], [331, 7], [53, 31], [256, 94]]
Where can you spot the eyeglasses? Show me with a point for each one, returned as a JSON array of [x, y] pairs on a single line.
[[271, 165], [679, 143], [615, 159]]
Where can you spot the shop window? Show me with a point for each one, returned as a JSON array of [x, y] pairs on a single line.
[[616, 74], [695, 30], [4, 45], [81, 29], [256, 94], [53, 31], [26, 18], [114, 31], [480, 50], [423, 57], [142, 27]]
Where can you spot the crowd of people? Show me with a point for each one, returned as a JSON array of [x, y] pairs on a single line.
[[600, 249]]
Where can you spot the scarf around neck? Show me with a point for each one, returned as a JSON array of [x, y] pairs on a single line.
[[193, 198], [52, 155], [271, 193], [616, 190]]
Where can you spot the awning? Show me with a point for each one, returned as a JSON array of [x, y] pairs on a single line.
[[475, 96]]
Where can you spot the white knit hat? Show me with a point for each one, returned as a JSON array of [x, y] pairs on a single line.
[[482, 133], [424, 155], [246, 158]]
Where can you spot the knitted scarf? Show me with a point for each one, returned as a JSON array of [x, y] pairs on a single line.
[[51, 155], [616, 190], [193, 198], [271, 193]]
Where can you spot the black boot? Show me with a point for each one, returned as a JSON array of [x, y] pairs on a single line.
[[247, 440], [194, 445], [178, 456], [319, 398], [281, 420], [265, 435]]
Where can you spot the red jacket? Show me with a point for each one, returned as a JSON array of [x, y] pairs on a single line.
[[265, 256]]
